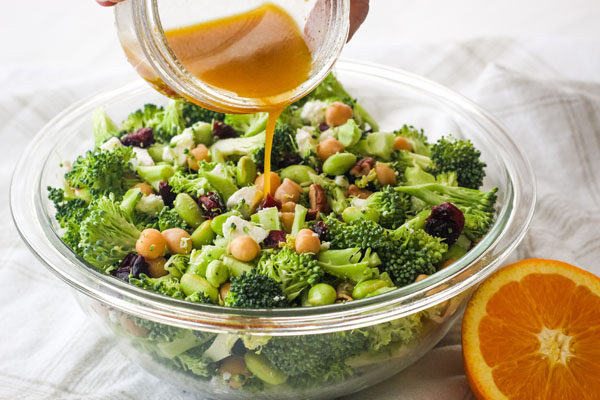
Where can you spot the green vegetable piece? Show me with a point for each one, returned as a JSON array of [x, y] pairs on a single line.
[[348, 134], [203, 235], [104, 128], [245, 172], [321, 294], [203, 133], [380, 144], [199, 259], [217, 222], [130, 200], [299, 219], [364, 288], [339, 164], [454, 253], [155, 174], [188, 209], [416, 176], [297, 173], [217, 273], [156, 152], [382, 290], [235, 267], [260, 366], [269, 219], [353, 213], [191, 284]]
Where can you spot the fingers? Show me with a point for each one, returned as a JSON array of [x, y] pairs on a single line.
[[358, 13], [108, 3]]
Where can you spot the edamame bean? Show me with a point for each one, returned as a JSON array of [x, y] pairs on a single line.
[[382, 290], [245, 171], [321, 294], [353, 213], [216, 273], [260, 366], [297, 173], [339, 163], [364, 288], [188, 209], [191, 283], [203, 235], [217, 222]]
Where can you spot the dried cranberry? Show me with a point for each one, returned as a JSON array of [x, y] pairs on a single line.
[[446, 221], [274, 238], [141, 138], [290, 159], [166, 192], [323, 126], [133, 264], [269, 202], [320, 228], [311, 215], [211, 205], [223, 131]]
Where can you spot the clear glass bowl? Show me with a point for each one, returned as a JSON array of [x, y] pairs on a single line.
[[140, 25], [420, 313]]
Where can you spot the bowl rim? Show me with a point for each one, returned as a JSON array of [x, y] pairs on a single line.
[[36, 230]]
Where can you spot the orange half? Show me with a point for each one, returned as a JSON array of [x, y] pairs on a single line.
[[532, 331]]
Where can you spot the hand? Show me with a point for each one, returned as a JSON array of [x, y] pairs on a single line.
[[358, 12]]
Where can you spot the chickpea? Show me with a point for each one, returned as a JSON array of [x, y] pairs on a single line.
[[421, 277], [288, 191], [287, 220], [156, 267], [197, 154], [275, 182], [224, 290], [144, 188], [307, 242], [289, 207], [402, 144], [151, 244], [448, 262], [234, 366], [244, 248], [329, 147], [337, 114], [385, 174], [178, 241]]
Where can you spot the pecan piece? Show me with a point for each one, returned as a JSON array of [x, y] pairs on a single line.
[[353, 190], [318, 199], [362, 167]]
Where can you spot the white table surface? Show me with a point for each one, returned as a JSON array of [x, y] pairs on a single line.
[[56, 48]]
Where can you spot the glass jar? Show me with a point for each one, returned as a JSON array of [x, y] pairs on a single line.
[[141, 26]]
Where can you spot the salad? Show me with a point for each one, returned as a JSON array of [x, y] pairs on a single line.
[[172, 201]]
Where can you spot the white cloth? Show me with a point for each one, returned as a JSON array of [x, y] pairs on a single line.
[[546, 93]]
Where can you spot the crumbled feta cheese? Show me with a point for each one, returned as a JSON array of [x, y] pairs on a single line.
[[179, 147], [111, 144], [329, 133], [314, 112], [235, 226], [356, 202], [150, 204], [341, 181], [141, 157], [305, 140], [248, 196]]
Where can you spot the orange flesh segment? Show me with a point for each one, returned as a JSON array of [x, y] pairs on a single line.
[[532, 331]]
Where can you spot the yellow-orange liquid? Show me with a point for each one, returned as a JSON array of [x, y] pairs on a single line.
[[257, 54]]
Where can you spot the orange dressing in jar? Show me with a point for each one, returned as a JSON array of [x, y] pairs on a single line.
[[257, 54]]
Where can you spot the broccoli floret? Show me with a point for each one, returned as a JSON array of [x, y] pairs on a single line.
[[295, 272], [312, 360], [102, 172], [416, 138], [477, 206], [150, 116], [284, 151], [450, 154], [291, 116], [172, 123], [69, 214], [349, 264], [247, 124], [363, 234], [107, 233], [335, 195], [201, 183], [167, 285], [169, 218], [192, 113], [251, 290], [391, 205], [200, 297], [195, 362], [402, 159]]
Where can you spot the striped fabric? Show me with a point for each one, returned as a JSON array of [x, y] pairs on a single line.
[[545, 92]]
